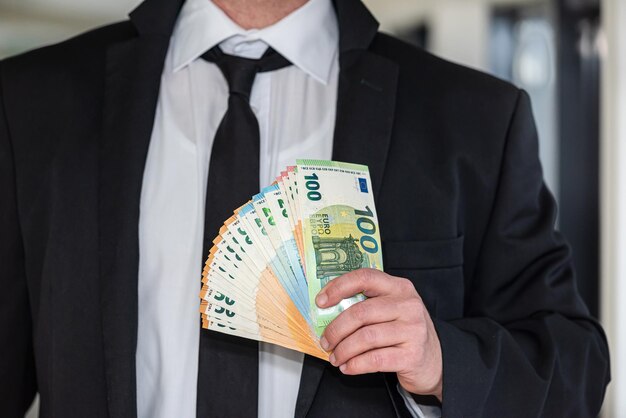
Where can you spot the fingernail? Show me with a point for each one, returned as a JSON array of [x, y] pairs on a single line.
[[322, 299], [342, 368], [324, 343], [332, 359]]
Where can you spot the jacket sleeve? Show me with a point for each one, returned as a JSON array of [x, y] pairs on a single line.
[[526, 346], [17, 368]]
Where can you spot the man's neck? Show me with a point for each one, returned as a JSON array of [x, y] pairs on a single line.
[[257, 14]]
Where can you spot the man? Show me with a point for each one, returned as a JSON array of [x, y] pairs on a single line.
[[109, 141]]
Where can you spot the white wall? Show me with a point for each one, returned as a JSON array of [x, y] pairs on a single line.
[[614, 200], [460, 32], [74, 9], [459, 28]]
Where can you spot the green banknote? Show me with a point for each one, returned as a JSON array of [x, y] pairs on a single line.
[[339, 228]]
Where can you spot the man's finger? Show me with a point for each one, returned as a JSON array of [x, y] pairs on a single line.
[[369, 312], [370, 282], [365, 339], [388, 359]]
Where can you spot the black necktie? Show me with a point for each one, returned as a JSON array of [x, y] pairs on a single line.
[[228, 369]]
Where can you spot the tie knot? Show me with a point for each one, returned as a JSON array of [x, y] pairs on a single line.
[[240, 72]]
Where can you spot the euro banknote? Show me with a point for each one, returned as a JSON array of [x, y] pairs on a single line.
[[339, 228], [276, 252]]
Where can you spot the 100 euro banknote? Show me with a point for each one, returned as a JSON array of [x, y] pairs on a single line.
[[339, 228]]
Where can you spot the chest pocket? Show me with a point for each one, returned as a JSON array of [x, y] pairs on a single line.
[[436, 270]]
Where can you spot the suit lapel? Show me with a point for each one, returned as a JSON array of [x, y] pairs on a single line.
[[131, 90], [133, 74], [367, 92], [364, 121]]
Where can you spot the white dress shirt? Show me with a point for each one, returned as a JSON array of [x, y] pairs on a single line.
[[295, 108]]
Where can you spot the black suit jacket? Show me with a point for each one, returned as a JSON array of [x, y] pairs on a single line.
[[463, 213]]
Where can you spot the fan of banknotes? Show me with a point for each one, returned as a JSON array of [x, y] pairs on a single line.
[[316, 222]]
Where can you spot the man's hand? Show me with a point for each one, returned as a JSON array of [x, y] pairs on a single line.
[[391, 331]]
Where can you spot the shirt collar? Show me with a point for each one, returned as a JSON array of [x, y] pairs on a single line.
[[308, 37]]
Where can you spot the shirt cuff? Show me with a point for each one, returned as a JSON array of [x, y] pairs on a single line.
[[417, 410]]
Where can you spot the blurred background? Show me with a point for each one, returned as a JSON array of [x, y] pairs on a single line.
[[570, 55]]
